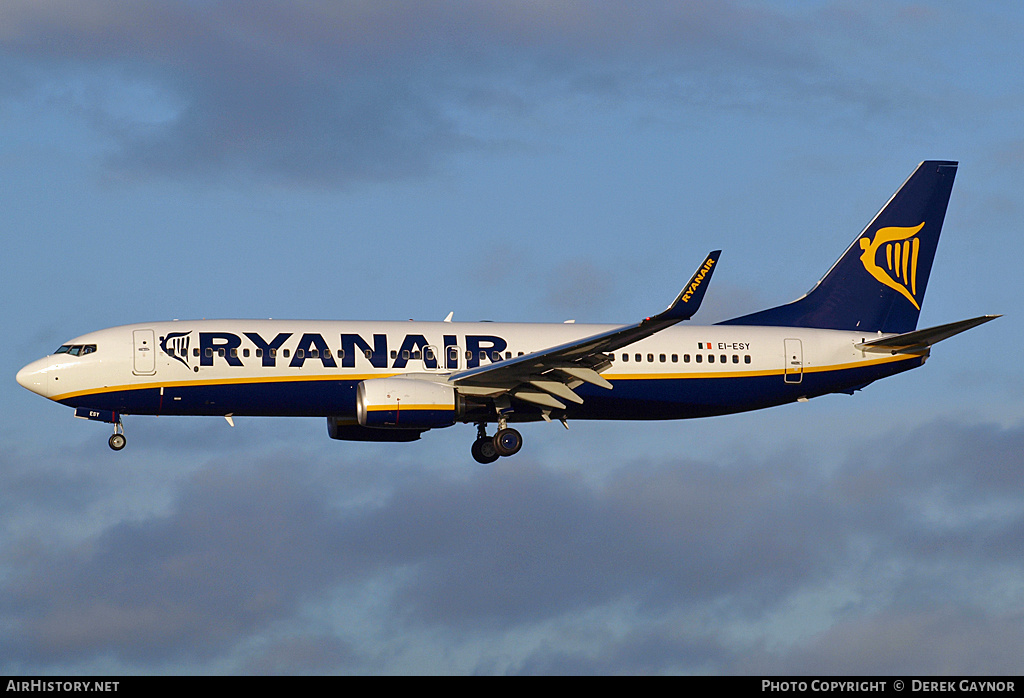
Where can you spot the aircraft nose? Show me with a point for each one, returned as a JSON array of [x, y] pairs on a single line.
[[35, 377]]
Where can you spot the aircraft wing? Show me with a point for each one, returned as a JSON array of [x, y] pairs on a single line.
[[919, 340], [548, 376]]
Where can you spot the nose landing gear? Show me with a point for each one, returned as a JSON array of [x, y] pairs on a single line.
[[117, 441]]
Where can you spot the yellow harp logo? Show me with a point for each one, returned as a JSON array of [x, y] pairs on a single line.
[[900, 247]]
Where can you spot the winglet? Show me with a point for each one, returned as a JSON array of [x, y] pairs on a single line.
[[689, 299]]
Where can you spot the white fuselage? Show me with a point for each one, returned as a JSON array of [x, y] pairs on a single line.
[[311, 368]]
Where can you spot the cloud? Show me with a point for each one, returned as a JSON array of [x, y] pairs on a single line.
[[656, 567], [212, 571], [317, 92], [937, 641], [660, 649], [307, 654], [528, 544]]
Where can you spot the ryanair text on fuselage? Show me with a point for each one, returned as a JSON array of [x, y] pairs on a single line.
[[312, 346]]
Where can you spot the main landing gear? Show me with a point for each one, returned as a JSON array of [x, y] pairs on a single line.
[[487, 449]]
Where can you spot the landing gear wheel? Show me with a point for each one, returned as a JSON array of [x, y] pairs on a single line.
[[507, 442], [117, 441], [483, 450]]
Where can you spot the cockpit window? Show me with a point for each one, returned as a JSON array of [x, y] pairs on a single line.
[[76, 349]]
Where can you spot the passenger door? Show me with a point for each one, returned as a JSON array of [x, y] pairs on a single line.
[[144, 352]]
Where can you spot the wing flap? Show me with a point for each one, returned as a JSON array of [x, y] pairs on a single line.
[[539, 398], [587, 375], [558, 389]]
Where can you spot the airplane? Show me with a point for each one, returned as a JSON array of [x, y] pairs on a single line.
[[393, 381]]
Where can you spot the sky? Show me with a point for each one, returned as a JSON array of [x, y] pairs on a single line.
[[528, 161]]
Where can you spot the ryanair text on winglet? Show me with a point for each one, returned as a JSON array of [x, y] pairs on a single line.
[[697, 280]]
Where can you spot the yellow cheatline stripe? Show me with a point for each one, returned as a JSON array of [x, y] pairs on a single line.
[[404, 407], [360, 377]]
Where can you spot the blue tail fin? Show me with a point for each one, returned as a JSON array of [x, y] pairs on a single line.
[[879, 283]]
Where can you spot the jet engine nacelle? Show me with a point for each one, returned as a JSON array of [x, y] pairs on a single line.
[[407, 403]]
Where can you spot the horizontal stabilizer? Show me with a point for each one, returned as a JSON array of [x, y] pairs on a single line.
[[910, 342]]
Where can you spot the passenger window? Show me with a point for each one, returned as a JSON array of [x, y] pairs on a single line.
[[699, 357], [405, 354], [287, 352], [416, 355], [394, 353], [735, 358], [639, 358], [234, 353], [195, 352], [495, 356], [209, 352], [508, 355], [723, 358], [625, 358], [711, 358], [259, 353], [650, 358], [675, 358], [686, 358], [662, 358], [746, 359], [367, 353], [453, 354], [314, 353], [220, 352], [245, 353]]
